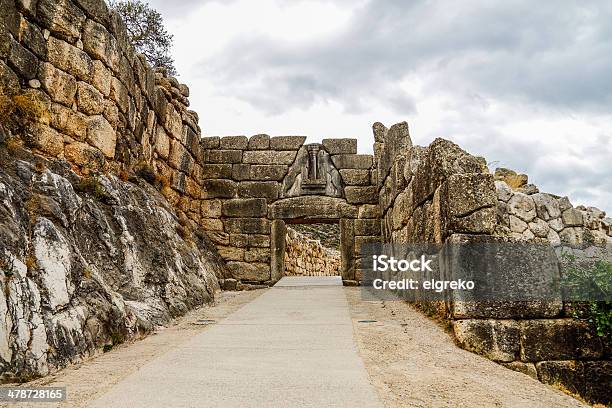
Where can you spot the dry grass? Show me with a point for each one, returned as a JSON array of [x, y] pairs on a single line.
[[40, 166], [23, 107], [31, 262], [87, 273], [124, 175]]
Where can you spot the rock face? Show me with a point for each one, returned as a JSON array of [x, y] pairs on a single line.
[[89, 262]]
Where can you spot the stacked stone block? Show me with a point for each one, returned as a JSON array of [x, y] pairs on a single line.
[[93, 101], [524, 213], [308, 257]]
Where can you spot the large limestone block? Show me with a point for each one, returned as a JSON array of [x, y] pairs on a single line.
[[120, 95], [234, 142], [269, 156], [466, 193], [558, 339], [22, 61], [539, 228], [511, 279], [517, 225], [369, 211], [46, 139], [522, 206], [287, 142], [9, 81], [547, 206], [223, 156], [89, 100], [361, 195], [219, 188], [217, 171], [504, 192], [367, 227], [247, 226], [249, 271], [99, 44], [69, 122], [312, 207], [96, 9], [259, 240], [211, 208], [572, 218], [162, 142], [264, 172], [352, 161], [257, 255], [355, 177], [259, 189], [102, 135], [101, 78], [568, 373], [60, 86], [179, 156], [497, 340], [84, 155], [241, 172], [340, 146], [70, 59], [259, 142], [229, 253], [511, 178], [211, 224], [210, 142], [62, 17], [250, 207]]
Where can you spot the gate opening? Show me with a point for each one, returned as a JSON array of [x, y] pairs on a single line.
[[312, 249]]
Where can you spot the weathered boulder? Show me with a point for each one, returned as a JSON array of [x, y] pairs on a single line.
[[495, 339]]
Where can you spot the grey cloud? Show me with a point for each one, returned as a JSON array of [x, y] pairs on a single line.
[[557, 54]]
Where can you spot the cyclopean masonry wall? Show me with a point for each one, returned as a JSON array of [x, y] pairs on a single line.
[[96, 103], [308, 257], [254, 186], [441, 194]]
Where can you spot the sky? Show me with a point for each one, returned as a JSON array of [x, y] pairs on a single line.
[[527, 85]]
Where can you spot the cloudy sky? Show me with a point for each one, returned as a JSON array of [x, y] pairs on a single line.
[[527, 85]]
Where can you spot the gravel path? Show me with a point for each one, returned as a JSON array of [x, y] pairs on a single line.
[[414, 363]]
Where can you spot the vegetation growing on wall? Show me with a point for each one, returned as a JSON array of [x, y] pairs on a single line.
[[594, 282]]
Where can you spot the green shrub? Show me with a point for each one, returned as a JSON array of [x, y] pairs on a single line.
[[93, 187], [591, 286]]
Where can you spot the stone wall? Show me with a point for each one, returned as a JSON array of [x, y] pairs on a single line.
[[94, 102], [524, 213], [251, 182], [441, 194], [305, 256]]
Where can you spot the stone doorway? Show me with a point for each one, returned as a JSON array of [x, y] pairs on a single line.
[[312, 210]]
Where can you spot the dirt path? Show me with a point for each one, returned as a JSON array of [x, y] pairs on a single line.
[[92, 378], [413, 363]]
